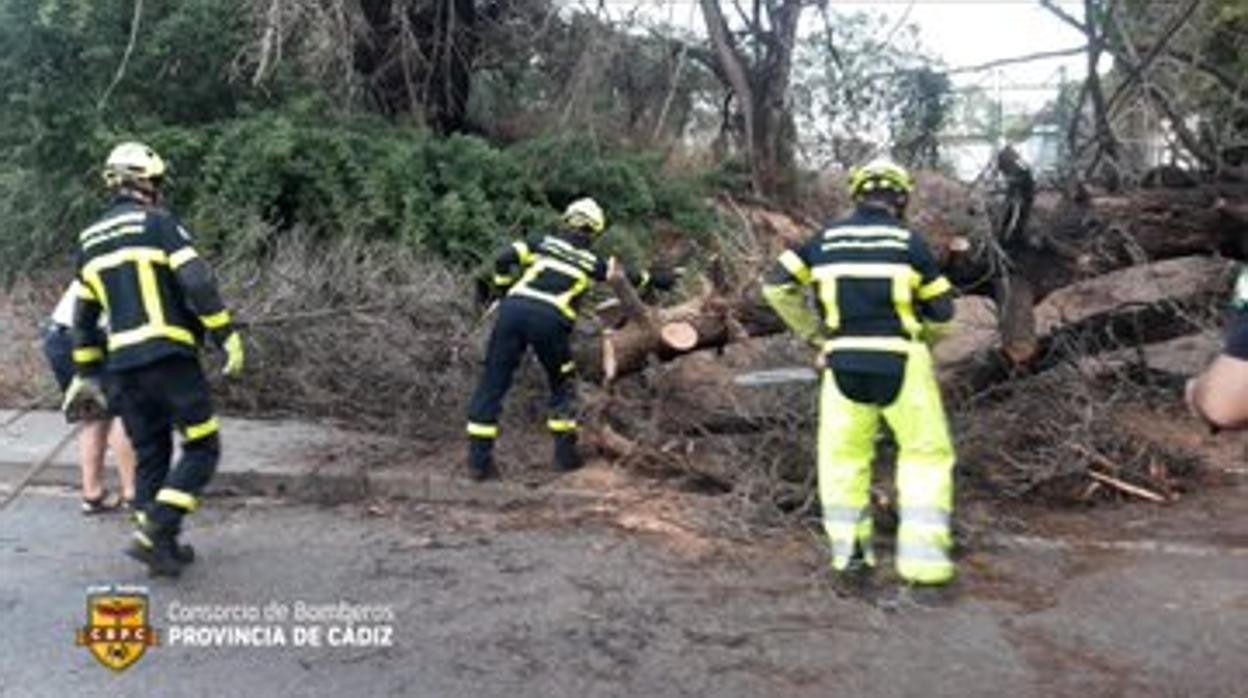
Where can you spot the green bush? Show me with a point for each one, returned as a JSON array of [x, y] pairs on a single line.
[[277, 159], [457, 197]]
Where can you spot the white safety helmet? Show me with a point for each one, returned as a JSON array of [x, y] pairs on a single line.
[[133, 164], [585, 214]]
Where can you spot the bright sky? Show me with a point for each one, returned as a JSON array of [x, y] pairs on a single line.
[[963, 32], [969, 32], [960, 32]]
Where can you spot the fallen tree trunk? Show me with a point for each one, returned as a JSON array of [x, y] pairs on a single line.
[[1067, 242], [707, 323], [1069, 239], [1129, 326]]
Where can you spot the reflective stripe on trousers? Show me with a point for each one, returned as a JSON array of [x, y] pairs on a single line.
[[846, 526], [925, 461]]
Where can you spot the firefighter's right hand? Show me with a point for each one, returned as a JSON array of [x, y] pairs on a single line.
[[615, 270], [934, 332], [818, 342], [84, 400], [234, 355]]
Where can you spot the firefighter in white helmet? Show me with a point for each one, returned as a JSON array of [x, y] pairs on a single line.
[[138, 263], [543, 279]]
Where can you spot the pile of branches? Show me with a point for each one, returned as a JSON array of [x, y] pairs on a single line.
[[26, 381], [1054, 438], [366, 333], [1058, 438], [754, 448]]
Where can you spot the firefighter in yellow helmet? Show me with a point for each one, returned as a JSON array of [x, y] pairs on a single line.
[[543, 278], [881, 299], [137, 262]]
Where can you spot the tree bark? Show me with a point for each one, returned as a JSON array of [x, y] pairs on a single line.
[[716, 321], [733, 67], [419, 57], [1106, 142], [760, 86], [1077, 241], [1017, 300], [450, 73]]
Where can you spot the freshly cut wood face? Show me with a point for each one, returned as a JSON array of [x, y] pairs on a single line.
[[681, 336]]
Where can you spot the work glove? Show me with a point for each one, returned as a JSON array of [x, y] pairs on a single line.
[[817, 342], [234, 355], [664, 279], [934, 332], [483, 292], [85, 400], [1239, 297]]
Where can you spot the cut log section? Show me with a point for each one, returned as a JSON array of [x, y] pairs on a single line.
[[679, 336], [1071, 240], [699, 324], [1068, 243]]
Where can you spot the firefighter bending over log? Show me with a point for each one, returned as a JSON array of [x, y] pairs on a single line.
[[543, 279]]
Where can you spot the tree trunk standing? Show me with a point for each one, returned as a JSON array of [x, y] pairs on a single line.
[[1016, 298], [378, 63], [1014, 287], [732, 65], [760, 86], [774, 130], [454, 46], [1106, 143], [418, 58]]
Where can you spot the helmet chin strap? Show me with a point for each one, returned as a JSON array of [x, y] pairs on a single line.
[[896, 210], [579, 236], [147, 196]]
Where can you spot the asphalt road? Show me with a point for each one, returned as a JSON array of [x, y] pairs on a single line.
[[485, 608]]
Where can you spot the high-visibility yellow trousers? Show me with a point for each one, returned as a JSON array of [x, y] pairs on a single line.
[[925, 459]]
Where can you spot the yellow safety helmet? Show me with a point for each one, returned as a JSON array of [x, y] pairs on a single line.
[[133, 163], [880, 175], [585, 214]]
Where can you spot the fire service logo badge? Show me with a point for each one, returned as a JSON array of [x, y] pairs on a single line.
[[117, 631]]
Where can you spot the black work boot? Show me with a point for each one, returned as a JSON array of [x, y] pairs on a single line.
[[857, 579], [930, 595], [157, 547], [566, 456], [185, 552], [481, 459]]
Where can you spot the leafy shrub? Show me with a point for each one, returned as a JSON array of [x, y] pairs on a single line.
[[457, 198]]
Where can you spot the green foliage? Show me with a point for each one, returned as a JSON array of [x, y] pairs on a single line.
[[858, 82], [71, 92], [457, 197], [924, 100], [288, 156], [631, 186], [733, 176]]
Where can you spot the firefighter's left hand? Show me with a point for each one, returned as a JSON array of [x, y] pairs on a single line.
[[84, 400], [664, 279], [821, 353], [234, 355]]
